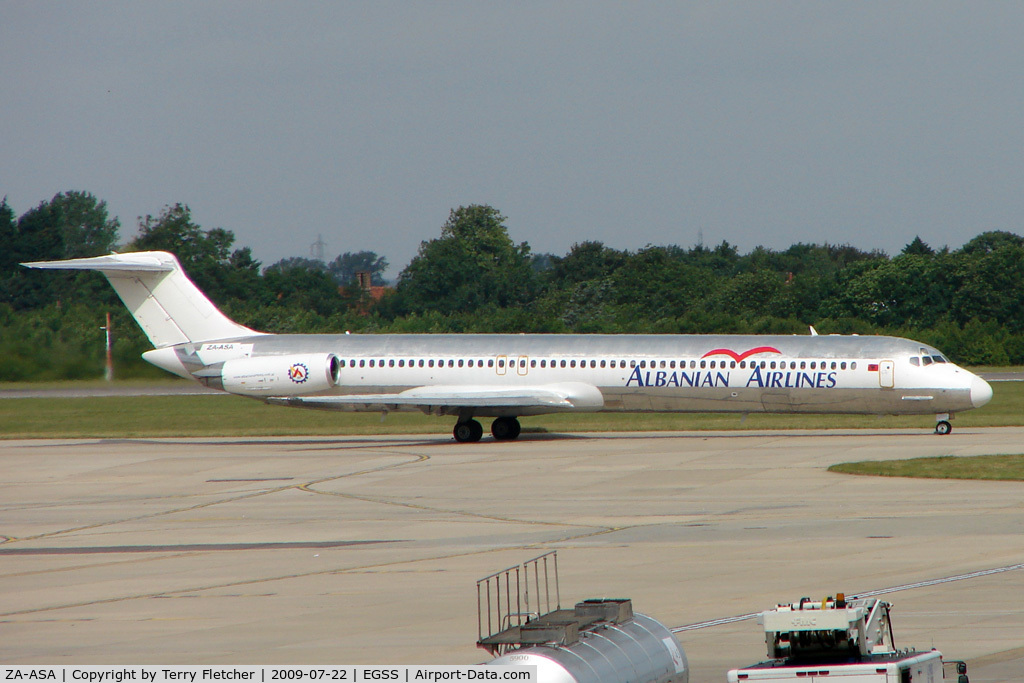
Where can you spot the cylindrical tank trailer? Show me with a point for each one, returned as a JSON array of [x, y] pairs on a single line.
[[600, 641]]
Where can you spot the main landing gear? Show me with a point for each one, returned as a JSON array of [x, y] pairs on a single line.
[[505, 429], [502, 429]]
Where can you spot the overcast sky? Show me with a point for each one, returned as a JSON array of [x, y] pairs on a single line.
[[772, 123]]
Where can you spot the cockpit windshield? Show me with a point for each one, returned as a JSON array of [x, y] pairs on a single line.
[[918, 361]]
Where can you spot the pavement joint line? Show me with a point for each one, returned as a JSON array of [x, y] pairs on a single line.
[[285, 577], [199, 506]]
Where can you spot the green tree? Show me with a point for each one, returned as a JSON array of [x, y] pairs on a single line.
[[206, 255], [987, 242], [918, 248], [70, 225], [589, 260], [8, 239], [301, 284], [473, 264], [989, 285], [293, 262], [344, 268]]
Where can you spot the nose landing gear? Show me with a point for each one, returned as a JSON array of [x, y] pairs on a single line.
[[942, 426]]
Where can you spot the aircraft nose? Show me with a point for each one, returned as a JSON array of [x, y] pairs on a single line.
[[981, 392]]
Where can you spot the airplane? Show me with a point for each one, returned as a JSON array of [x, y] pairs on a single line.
[[508, 376]]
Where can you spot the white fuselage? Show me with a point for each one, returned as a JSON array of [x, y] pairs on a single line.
[[632, 373]]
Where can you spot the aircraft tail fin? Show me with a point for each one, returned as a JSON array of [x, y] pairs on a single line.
[[169, 308]]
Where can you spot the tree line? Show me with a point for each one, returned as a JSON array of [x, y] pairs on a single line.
[[969, 302]]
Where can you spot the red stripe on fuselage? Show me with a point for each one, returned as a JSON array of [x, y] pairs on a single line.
[[740, 356]]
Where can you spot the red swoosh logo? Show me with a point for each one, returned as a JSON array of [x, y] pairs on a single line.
[[740, 356]]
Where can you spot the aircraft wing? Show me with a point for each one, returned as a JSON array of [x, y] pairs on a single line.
[[567, 396]]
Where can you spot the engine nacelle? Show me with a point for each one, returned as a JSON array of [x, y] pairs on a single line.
[[297, 375]]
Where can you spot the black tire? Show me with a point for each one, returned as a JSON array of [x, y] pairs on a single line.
[[943, 428], [468, 431], [505, 428]]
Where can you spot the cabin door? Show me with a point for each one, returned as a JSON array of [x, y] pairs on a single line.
[[523, 366], [886, 374]]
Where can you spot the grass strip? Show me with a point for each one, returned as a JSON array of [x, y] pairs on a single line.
[[992, 467], [227, 415]]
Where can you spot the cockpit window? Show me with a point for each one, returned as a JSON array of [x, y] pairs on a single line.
[[915, 361], [927, 360], [939, 359]]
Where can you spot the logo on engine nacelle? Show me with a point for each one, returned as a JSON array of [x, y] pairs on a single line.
[[298, 373]]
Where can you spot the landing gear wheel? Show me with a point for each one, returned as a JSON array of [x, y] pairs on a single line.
[[468, 431], [942, 428], [505, 428]]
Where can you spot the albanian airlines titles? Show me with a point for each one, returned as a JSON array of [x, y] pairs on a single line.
[[772, 379]]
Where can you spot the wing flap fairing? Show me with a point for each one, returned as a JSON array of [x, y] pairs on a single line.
[[567, 396]]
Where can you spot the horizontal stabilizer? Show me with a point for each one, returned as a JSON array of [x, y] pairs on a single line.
[[139, 263]]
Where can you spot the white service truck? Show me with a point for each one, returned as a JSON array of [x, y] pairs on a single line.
[[843, 641]]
